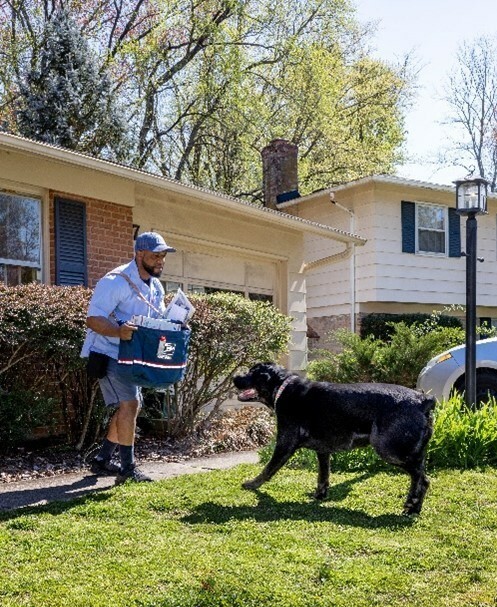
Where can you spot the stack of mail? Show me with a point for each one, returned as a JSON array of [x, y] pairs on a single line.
[[177, 313], [179, 309], [155, 323]]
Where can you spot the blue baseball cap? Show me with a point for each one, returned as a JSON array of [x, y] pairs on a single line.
[[151, 241]]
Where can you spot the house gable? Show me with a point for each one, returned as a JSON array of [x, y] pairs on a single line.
[[388, 274]]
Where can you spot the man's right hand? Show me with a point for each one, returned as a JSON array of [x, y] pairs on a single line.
[[126, 331], [103, 326]]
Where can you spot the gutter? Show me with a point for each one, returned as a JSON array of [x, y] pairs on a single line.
[[345, 254]]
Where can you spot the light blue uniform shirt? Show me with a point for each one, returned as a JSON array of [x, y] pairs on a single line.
[[113, 295]]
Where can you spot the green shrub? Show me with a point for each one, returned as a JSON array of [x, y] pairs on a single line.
[[354, 363], [41, 321], [42, 330], [21, 411], [398, 360]]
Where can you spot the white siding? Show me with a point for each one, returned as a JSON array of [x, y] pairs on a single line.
[[384, 274]]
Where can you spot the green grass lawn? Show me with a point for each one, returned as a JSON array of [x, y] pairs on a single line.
[[198, 541]]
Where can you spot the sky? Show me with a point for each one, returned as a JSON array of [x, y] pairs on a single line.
[[432, 31]]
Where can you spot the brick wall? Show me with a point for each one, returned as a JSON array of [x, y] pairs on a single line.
[[109, 233], [322, 326]]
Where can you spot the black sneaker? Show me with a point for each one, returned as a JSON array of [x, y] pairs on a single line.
[[134, 475], [103, 466]]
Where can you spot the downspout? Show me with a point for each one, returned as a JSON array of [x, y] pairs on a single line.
[[352, 262], [347, 253]]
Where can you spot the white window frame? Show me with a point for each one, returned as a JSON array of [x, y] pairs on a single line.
[[445, 230], [22, 263]]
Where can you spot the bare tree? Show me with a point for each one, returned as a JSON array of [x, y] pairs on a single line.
[[472, 95]]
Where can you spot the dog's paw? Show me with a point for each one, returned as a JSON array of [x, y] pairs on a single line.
[[253, 484], [320, 493], [412, 508]]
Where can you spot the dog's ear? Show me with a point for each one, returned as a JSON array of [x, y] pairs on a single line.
[[277, 371], [264, 376]]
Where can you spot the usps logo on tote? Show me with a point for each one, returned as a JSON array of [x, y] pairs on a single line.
[[165, 351]]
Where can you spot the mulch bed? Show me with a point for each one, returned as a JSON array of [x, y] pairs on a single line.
[[243, 429]]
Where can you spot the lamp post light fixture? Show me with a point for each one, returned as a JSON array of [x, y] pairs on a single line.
[[471, 200]]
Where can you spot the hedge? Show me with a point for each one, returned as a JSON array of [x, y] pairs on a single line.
[[41, 333]]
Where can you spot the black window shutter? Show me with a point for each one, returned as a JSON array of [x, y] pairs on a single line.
[[70, 242], [408, 217], [454, 234]]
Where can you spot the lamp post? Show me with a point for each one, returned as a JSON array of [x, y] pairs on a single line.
[[471, 200]]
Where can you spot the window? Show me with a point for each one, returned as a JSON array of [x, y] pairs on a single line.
[[196, 288], [430, 229], [199, 289], [20, 239], [211, 290], [431, 222], [171, 286], [260, 297]]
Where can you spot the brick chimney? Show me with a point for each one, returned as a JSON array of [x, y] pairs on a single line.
[[279, 168]]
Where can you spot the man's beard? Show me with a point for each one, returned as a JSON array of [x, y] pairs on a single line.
[[151, 270]]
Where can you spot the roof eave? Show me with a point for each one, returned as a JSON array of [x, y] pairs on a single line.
[[52, 152], [374, 179]]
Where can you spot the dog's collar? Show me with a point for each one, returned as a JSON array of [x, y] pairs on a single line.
[[279, 392]]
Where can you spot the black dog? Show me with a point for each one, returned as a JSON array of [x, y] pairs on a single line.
[[328, 417]]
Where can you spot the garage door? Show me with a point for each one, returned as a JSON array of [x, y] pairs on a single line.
[[201, 272]]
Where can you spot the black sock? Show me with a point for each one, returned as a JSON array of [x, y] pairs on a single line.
[[127, 454], [106, 450]]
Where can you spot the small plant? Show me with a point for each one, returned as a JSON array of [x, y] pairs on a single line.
[[462, 437]]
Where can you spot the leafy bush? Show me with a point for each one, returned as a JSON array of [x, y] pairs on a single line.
[[42, 330], [38, 320], [355, 362], [462, 439], [229, 332], [21, 412], [401, 359], [397, 361]]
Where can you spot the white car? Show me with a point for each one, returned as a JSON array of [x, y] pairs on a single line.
[[446, 372]]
